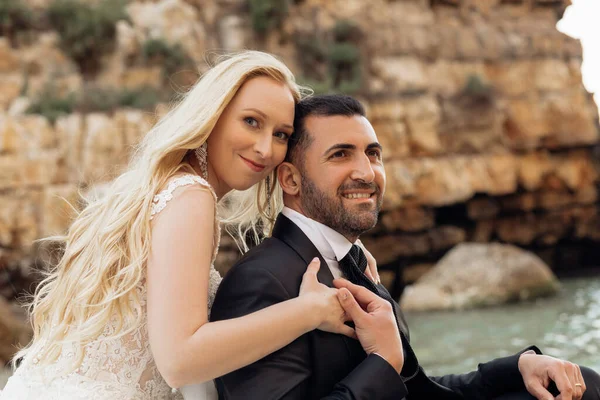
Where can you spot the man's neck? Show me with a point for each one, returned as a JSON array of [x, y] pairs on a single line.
[[298, 208]]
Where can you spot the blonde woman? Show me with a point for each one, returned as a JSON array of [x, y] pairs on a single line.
[[124, 315]]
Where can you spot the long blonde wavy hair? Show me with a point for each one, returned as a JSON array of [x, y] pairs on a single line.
[[107, 246]]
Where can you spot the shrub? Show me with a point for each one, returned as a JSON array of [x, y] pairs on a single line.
[[97, 99], [94, 99], [14, 16], [331, 65], [312, 56], [476, 92], [51, 105], [344, 66], [267, 14], [142, 98], [86, 32], [345, 31], [172, 58]]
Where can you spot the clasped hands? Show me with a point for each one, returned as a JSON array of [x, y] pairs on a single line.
[[374, 322]]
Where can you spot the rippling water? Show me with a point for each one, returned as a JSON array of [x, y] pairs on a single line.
[[566, 326]]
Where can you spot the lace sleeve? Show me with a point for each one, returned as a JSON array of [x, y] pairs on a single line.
[[161, 199]]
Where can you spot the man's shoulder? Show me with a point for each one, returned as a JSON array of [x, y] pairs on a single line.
[[272, 256]]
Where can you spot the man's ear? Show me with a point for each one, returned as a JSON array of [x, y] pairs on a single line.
[[289, 178]]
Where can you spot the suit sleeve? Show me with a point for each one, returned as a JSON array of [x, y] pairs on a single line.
[[491, 379], [286, 374]]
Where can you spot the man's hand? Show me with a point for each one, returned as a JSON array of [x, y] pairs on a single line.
[[374, 322], [538, 370]]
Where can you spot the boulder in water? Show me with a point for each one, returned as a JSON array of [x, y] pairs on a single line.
[[474, 275]]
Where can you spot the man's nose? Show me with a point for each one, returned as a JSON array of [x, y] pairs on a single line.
[[363, 170], [264, 146]]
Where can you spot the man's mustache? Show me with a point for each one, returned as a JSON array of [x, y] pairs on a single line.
[[361, 186]]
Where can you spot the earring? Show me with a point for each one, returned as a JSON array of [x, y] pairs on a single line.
[[201, 154], [268, 186]]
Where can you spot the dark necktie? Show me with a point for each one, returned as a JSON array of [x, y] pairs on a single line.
[[353, 266]]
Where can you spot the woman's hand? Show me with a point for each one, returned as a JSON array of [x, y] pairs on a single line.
[[324, 300], [371, 270]]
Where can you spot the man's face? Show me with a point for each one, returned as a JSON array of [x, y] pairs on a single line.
[[343, 179]]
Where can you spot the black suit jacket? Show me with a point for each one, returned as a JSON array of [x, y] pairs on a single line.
[[321, 365]]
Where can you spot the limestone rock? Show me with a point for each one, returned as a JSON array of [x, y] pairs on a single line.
[[14, 331], [103, 148], [408, 219], [19, 106], [69, 131], [401, 73], [474, 275], [58, 208], [555, 121], [11, 86], [422, 122], [10, 140], [136, 77], [128, 44], [172, 20], [450, 180], [232, 32], [9, 59], [133, 124]]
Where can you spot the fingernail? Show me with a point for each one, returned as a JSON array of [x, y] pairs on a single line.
[[316, 259], [344, 295]]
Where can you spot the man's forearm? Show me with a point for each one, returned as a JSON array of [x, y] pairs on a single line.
[[491, 379]]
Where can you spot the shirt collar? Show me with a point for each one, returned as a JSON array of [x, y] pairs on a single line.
[[333, 244]]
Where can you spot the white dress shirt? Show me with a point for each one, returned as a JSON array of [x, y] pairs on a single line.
[[332, 245]]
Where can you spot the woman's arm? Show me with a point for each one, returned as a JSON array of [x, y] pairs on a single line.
[[187, 349]]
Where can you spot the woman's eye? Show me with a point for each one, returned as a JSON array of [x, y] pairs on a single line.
[[282, 135], [251, 121]]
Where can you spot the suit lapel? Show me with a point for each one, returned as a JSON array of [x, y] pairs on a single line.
[[288, 232]]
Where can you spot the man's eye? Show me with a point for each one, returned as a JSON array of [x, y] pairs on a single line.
[[338, 154], [375, 153], [251, 121]]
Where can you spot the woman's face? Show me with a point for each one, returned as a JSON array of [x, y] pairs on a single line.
[[250, 138]]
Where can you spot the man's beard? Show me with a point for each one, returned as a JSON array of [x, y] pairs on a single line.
[[332, 212]]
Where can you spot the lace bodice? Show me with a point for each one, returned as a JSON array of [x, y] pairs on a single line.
[[112, 369]]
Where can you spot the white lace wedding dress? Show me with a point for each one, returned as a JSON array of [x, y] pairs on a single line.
[[115, 369]]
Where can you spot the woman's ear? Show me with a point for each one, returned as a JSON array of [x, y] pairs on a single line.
[[289, 178]]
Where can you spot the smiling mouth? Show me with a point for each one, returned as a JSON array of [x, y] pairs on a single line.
[[254, 166], [352, 196]]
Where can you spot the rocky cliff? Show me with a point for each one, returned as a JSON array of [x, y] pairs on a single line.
[[489, 134]]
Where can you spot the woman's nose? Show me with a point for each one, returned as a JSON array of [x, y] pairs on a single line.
[[264, 146]]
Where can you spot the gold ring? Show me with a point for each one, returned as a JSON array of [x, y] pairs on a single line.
[[578, 384]]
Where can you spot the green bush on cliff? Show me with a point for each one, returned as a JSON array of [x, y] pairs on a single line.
[[52, 105], [267, 14], [331, 63], [476, 92], [14, 16], [98, 99], [172, 58], [346, 31], [86, 32], [344, 67], [94, 99]]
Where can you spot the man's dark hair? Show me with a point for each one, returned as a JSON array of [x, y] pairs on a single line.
[[322, 105]]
